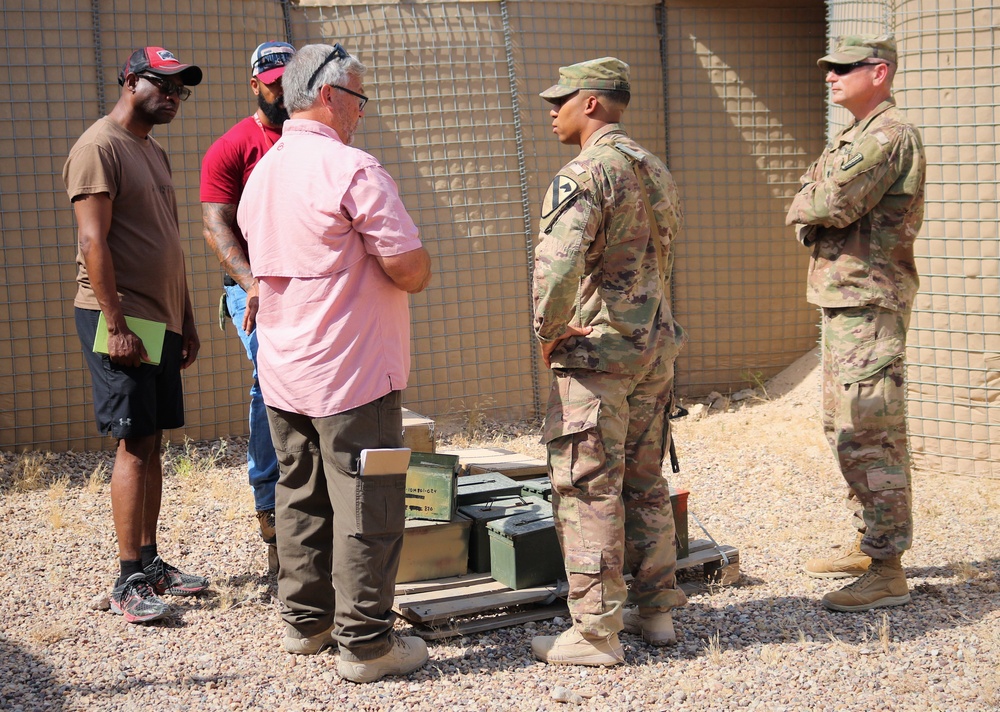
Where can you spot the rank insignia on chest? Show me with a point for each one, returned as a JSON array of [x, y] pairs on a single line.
[[561, 189]]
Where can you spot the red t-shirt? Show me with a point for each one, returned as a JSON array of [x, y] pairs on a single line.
[[229, 161]]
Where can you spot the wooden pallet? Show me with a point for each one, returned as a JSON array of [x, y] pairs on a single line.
[[474, 603]]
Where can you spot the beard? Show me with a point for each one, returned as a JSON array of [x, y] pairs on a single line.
[[275, 112]]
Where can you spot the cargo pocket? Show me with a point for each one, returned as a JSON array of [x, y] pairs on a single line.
[[379, 504], [864, 341], [576, 451], [586, 590], [886, 478]]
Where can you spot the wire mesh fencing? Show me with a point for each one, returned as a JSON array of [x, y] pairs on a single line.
[[726, 91]]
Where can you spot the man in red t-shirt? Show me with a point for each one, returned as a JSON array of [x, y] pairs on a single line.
[[224, 171]]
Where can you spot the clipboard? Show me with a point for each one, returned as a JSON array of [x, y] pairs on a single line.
[[150, 332], [384, 461]]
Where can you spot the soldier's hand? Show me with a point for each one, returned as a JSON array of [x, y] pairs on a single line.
[[548, 348], [805, 234]]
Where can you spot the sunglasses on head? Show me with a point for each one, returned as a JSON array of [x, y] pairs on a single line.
[[842, 69], [270, 61], [337, 53]]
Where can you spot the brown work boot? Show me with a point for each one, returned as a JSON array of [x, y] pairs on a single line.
[[575, 648], [883, 585], [848, 564], [656, 627], [265, 519], [407, 654]]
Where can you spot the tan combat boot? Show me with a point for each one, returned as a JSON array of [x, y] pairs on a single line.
[[851, 563], [574, 648], [298, 644], [408, 653], [656, 627], [883, 585]]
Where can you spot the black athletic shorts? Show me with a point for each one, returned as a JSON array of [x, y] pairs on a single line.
[[133, 402]]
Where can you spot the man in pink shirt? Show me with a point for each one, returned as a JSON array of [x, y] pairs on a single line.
[[335, 255]]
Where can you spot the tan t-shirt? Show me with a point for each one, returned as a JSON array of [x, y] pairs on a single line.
[[144, 237]]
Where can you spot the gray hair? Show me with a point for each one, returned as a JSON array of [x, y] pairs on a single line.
[[299, 96]]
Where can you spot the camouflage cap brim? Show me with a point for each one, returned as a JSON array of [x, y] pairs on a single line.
[[557, 91]]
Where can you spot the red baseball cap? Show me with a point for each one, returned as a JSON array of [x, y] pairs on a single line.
[[162, 62]]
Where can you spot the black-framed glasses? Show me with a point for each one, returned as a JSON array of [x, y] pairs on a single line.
[[362, 99], [167, 87], [842, 69], [337, 53]]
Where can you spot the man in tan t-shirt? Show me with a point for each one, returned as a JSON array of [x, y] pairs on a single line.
[[130, 265]]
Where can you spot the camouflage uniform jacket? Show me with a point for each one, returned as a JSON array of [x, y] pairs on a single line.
[[596, 264], [864, 197]]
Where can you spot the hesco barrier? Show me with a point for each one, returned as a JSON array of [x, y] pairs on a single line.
[[948, 86], [726, 91]]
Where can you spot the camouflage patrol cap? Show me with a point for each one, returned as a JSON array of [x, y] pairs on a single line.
[[607, 73], [856, 48]]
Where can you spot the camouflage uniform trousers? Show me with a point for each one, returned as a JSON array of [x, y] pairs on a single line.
[[864, 418], [607, 435]]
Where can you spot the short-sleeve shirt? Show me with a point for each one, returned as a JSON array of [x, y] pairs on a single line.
[[144, 236], [229, 161], [333, 329]]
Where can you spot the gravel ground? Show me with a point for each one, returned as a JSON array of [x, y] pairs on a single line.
[[761, 479]]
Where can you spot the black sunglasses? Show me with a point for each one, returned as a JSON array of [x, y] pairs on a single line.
[[167, 87], [842, 69], [337, 53]]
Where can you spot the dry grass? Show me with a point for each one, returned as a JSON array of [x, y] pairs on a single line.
[[191, 459], [965, 571], [57, 497], [233, 593], [884, 632], [770, 654], [95, 483], [30, 471], [713, 649], [51, 633]]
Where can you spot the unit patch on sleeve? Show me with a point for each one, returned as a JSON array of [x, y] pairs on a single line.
[[560, 190]]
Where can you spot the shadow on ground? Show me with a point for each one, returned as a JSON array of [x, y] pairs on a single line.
[[35, 687]]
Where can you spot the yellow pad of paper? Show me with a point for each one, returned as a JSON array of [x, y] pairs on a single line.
[[150, 332]]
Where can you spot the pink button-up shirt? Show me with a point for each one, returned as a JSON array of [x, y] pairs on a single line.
[[333, 330]]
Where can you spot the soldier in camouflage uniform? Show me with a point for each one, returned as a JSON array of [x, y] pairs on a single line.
[[603, 319], [859, 209]]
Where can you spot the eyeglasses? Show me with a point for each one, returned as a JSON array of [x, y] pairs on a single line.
[[842, 69], [337, 53], [362, 98], [167, 87]]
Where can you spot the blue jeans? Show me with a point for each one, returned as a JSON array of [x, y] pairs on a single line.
[[262, 463]]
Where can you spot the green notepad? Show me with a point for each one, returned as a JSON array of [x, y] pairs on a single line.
[[150, 332]]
